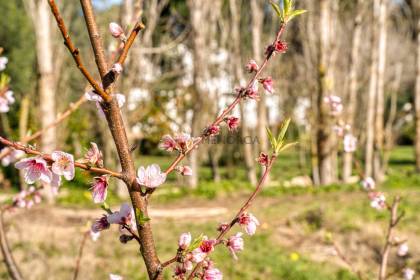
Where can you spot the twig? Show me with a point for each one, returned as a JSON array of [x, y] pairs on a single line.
[[246, 205], [220, 118], [393, 221], [75, 52], [79, 256], [48, 158], [10, 262], [347, 261], [135, 236], [73, 107]]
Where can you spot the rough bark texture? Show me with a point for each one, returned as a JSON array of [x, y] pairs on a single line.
[[353, 85], [237, 65]]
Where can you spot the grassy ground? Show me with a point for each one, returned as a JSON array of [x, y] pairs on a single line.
[[290, 244]]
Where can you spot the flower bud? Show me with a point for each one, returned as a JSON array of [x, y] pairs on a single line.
[[184, 240], [116, 30]]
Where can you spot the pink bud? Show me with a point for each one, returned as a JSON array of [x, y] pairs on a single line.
[[252, 66], [212, 130], [235, 243], [252, 91], [222, 227], [263, 159], [232, 122], [267, 84], [249, 223], [280, 47], [116, 30], [117, 68], [167, 143], [184, 241]]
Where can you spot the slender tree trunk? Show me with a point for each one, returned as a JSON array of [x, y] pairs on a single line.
[[325, 138], [237, 65], [417, 98], [353, 85], [380, 95], [371, 101]]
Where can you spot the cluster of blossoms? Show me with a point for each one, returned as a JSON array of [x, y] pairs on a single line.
[[198, 251], [181, 142], [37, 169], [27, 198]]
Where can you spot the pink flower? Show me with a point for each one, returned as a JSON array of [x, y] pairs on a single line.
[[117, 68], [150, 177], [94, 156], [402, 250], [184, 170], [100, 224], [408, 273], [252, 66], [115, 277], [184, 142], [249, 223], [280, 46], [263, 159], [232, 122], [267, 84], [206, 246], [212, 130], [63, 164], [5, 101], [116, 30], [123, 217], [350, 143], [12, 156], [377, 200], [184, 240], [35, 168], [336, 107], [55, 183], [99, 189], [368, 183], [167, 143], [213, 274], [235, 243]]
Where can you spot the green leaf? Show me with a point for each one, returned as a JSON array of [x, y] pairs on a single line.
[[141, 218], [286, 7], [287, 146], [277, 9], [295, 13], [106, 208], [272, 139], [283, 130]]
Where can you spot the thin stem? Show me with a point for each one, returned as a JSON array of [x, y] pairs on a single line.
[[75, 52], [135, 236], [73, 107], [79, 256], [393, 221], [347, 261], [47, 157], [242, 210]]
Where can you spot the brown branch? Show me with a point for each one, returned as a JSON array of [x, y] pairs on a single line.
[[75, 52], [393, 221], [47, 157], [245, 206], [229, 109], [73, 107], [79, 256], [10, 262]]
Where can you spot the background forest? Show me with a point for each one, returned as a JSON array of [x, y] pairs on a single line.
[[182, 71]]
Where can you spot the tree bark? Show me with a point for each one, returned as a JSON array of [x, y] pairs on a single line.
[[325, 138], [417, 95], [353, 85]]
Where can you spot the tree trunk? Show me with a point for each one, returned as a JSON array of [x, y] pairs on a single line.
[[325, 138], [380, 95], [417, 98], [353, 85], [371, 101], [237, 65]]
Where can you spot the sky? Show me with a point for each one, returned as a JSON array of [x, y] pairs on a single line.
[[103, 4]]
